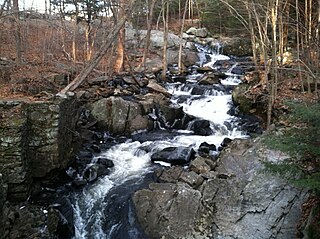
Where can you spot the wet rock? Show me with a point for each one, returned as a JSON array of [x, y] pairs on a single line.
[[197, 90], [209, 79], [201, 127], [189, 58], [93, 172], [180, 78], [205, 148], [78, 183], [174, 155], [205, 69], [106, 162], [226, 141], [60, 219], [167, 210]]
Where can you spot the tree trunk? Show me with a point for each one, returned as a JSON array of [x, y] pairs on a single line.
[[165, 10], [17, 32], [274, 76], [298, 44], [149, 28], [252, 34], [118, 67], [98, 56], [180, 67]]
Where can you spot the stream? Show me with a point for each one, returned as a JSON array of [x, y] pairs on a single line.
[[104, 209]]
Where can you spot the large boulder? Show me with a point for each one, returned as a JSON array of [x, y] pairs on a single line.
[[237, 46], [174, 155], [119, 116], [253, 204], [168, 210], [241, 99]]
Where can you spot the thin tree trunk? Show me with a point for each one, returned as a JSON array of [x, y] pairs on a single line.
[[180, 67], [149, 28], [98, 56], [17, 32], [274, 77], [298, 44], [252, 34], [119, 64], [165, 5], [75, 32]]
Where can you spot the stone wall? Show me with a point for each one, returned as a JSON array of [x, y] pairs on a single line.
[[3, 194], [13, 147], [35, 139]]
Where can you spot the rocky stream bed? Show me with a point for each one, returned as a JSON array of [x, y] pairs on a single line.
[[151, 160]]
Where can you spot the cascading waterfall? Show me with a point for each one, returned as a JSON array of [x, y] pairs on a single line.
[[103, 209]]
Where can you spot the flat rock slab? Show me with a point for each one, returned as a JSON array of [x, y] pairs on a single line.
[[252, 203]]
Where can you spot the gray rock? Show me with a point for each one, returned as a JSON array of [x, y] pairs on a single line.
[[170, 175], [191, 178], [158, 88], [191, 31], [252, 204], [119, 116], [168, 210], [174, 155], [201, 32], [237, 200], [3, 197], [241, 99], [199, 165], [209, 79]]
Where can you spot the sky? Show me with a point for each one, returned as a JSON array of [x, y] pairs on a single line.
[[35, 4]]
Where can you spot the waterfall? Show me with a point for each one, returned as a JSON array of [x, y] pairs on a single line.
[[103, 209]]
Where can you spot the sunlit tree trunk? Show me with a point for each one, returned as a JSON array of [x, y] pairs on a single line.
[[118, 67], [180, 66], [274, 76], [165, 16]]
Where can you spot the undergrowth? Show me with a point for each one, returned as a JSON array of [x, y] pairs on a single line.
[[302, 142]]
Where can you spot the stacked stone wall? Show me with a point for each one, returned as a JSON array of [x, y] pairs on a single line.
[[35, 139]]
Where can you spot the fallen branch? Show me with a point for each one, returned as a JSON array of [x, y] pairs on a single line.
[[98, 56]]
